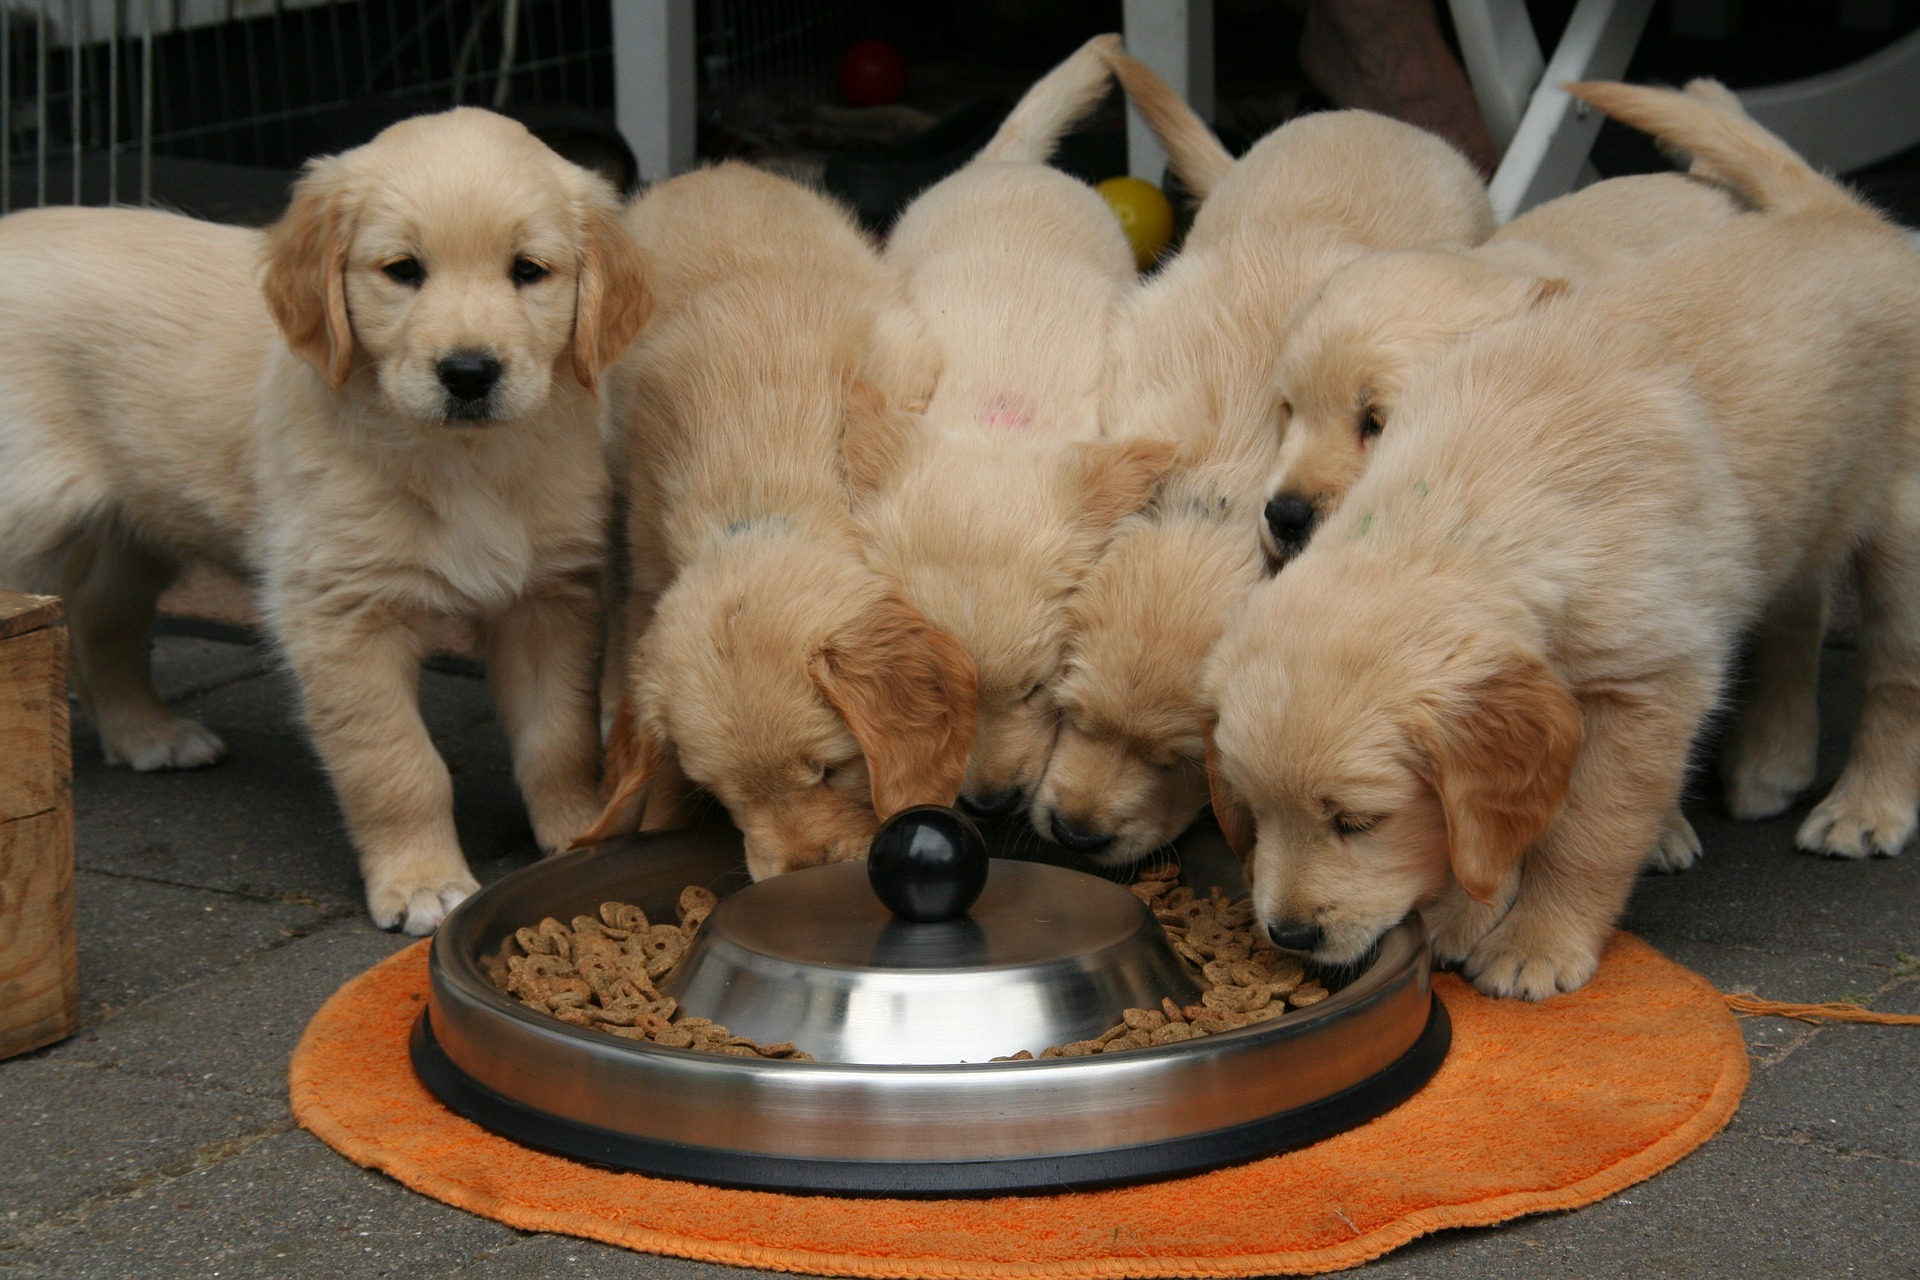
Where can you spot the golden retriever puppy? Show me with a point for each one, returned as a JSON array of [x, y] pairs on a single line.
[[1193, 362], [991, 508], [1352, 347], [1473, 693], [401, 429], [770, 665]]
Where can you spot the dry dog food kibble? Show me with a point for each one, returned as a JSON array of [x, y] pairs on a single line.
[[601, 974]]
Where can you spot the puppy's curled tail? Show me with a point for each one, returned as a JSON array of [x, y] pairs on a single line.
[[1728, 147], [1192, 149], [1057, 101]]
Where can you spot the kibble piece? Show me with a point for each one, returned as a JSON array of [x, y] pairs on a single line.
[[1144, 1019], [1308, 993]]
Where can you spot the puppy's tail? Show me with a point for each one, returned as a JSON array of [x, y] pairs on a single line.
[[1192, 149], [1727, 147], [1056, 102]]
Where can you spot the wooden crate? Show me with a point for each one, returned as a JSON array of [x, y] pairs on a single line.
[[39, 967]]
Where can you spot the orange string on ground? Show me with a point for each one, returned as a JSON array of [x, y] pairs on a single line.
[[1752, 1006]]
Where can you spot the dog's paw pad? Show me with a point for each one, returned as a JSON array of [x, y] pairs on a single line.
[[1677, 849], [175, 743], [1841, 828], [418, 909]]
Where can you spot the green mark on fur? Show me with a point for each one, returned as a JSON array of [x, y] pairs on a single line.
[[1366, 523], [1419, 488]]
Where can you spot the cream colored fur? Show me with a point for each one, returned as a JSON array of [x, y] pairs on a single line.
[[771, 665], [1475, 690], [1193, 361], [989, 512], [150, 413]]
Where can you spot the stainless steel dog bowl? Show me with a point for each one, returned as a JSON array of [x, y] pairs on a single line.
[[901, 1016]]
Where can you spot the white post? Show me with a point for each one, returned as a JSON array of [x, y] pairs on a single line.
[[653, 83], [1175, 38]]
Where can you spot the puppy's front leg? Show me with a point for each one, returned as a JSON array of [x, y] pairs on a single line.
[[1575, 882], [541, 661], [1769, 758], [359, 672]]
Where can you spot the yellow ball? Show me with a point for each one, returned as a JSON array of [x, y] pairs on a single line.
[[1144, 215]]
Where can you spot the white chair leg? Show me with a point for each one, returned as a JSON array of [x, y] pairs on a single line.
[[653, 83], [1503, 61], [1175, 38]]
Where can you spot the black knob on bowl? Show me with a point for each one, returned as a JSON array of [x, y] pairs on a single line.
[[928, 863]]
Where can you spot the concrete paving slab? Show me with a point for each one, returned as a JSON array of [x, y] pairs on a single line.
[[1774, 976], [139, 939], [74, 1132], [284, 1206], [235, 1028]]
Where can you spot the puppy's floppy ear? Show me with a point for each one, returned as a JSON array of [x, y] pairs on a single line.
[[1116, 477], [306, 274], [612, 301], [902, 358], [1501, 761], [910, 695], [634, 754], [1229, 810], [876, 438]]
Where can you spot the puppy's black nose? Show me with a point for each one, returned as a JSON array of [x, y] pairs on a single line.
[[468, 375], [1077, 838], [993, 804], [1294, 937], [1290, 519]]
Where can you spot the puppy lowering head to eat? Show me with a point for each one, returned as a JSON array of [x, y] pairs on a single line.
[[1193, 362], [1475, 690], [770, 665], [419, 441], [1354, 342], [988, 511]]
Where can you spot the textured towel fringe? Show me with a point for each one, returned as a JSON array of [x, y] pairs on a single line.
[[1746, 1002]]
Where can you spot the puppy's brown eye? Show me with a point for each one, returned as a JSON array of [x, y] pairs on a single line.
[[1372, 423], [406, 271], [1034, 692], [1352, 824], [527, 271]]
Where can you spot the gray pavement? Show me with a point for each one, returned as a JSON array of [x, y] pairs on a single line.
[[219, 908]]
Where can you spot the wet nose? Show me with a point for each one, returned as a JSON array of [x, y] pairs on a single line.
[[468, 375], [1290, 519], [1294, 937], [1078, 838], [993, 804]]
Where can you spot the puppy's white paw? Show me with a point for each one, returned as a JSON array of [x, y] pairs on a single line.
[[556, 825], [1516, 960], [1753, 794], [171, 743], [417, 908], [1848, 824], [1457, 923], [1678, 847]]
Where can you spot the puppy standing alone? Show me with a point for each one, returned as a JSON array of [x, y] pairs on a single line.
[[424, 444], [1475, 690]]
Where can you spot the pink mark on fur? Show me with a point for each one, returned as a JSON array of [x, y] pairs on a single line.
[[1007, 410]]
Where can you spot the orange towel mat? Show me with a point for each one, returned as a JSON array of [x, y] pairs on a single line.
[[1538, 1107]]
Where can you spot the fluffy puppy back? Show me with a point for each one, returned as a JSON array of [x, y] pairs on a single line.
[[1192, 148], [1728, 147], [1057, 101]]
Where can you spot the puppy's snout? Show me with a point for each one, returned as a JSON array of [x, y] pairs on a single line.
[[1294, 937], [1290, 519], [993, 804], [468, 375], [1077, 838]]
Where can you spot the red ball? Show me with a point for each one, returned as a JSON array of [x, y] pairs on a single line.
[[872, 73]]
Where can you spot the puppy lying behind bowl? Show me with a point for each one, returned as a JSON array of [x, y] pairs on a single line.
[[770, 664], [990, 507], [1474, 692], [1353, 346], [419, 440], [1192, 363]]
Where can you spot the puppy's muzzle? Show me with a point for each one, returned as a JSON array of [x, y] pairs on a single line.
[[1077, 838], [993, 804], [1290, 521], [469, 378], [1294, 937]]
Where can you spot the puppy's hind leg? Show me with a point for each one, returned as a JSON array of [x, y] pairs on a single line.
[[1769, 757], [111, 583], [1871, 809]]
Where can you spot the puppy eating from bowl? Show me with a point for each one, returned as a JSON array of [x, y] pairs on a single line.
[[403, 428], [770, 666], [1192, 364]]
